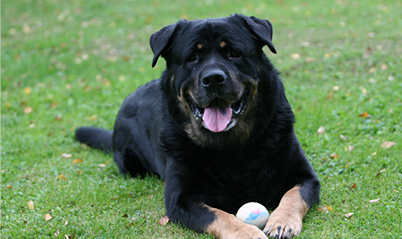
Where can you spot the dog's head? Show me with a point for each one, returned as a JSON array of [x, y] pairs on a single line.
[[215, 73]]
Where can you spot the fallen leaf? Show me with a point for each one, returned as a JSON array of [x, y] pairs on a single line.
[[374, 154], [58, 117], [27, 90], [164, 220], [353, 186], [61, 177], [323, 209], [374, 200], [295, 56], [347, 165], [384, 66], [79, 172], [334, 156], [67, 156], [47, 217], [349, 214], [309, 59], [343, 137], [57, 233], [330, 208], [77, 161], [9, 187], [26, 28], [102, 165], [364, 115], [66, 223], [387, 144], [31, 205], [130, 224], [351, 148], [321, 130], [330, 95], [28, 110]]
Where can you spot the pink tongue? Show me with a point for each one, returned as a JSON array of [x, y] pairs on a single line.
[[217, 115]]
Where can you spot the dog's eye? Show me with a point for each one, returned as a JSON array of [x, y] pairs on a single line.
[[234, 54], [192, 58]]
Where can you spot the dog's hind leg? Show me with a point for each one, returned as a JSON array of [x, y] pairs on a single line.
[[129, 163]]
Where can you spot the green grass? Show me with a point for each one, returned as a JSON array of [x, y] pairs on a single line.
[[80, 59]]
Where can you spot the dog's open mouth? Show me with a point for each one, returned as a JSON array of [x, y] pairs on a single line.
[[219, 115]]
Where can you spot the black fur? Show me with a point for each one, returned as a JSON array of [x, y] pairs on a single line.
[[157, 131]]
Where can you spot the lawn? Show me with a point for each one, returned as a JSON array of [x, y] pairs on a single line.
[[71, 63]]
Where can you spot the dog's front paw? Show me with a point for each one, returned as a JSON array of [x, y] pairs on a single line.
[[227, 226], [283, 225], [247, 231]]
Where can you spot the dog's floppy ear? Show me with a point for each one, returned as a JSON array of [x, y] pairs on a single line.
[[161, 40], [262, 29]]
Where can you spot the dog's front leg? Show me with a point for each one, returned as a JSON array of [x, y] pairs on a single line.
[[228, 226], [286, 220], [216, 222], [185, 207]]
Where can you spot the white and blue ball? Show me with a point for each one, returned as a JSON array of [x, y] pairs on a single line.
[[253, 213]]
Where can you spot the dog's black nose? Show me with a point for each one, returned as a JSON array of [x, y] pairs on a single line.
[[213, 78]]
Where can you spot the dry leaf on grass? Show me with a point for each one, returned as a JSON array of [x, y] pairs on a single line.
[[353, 186], [374, 200], [364, 115], [387, 144], [321, 130], [67, 156], [334, 156], [58, 118], [47, 217], [77, 161], [348, 214], [27, 90], [57, 233], [61, 177], [325, 209], [9, 187], [164, 220], [31, 205], [28, 110]]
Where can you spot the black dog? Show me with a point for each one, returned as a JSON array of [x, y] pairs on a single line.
[[217, 128]]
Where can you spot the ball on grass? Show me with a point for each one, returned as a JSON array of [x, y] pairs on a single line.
[[253, 213]]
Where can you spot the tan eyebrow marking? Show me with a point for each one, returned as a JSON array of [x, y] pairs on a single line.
[[200, 46], [222, 44]]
